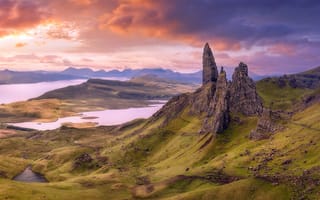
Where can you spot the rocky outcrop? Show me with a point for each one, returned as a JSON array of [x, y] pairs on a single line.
[[266, 125], [244, 98], [210, 70], [202, 98], [216, 99], [218, 116], [83, 160], [173, 108]]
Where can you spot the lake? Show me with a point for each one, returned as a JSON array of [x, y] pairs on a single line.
[[105, 117], [21, 92], [29, 176]]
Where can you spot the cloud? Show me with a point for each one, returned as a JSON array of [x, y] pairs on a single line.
[[17, 15], [66, 31], [20, 44], [135, 33], [230, 23]]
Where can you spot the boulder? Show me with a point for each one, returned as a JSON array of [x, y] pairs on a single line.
[[82, 160], [266, 125]]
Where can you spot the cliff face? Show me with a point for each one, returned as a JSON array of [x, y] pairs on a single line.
[[216, 99], [244, 98], [218, 116]]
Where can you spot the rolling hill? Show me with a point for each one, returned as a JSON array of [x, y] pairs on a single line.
[[93, 95], [200, 145]]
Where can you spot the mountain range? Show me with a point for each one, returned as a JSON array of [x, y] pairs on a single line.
[[71, 73]]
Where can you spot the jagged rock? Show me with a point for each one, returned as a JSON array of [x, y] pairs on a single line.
[[244, 98], [82, 160], [202, 98], [210, 70], [172, 109], [266, 125], [218, 117], [215, 99], [198, 103]]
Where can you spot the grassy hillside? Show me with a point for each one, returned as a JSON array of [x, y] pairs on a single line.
[[287, 91], [169, 159], [278, 97], [141, 160]]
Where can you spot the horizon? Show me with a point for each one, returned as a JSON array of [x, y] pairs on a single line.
[[269, 36], [227, 69]]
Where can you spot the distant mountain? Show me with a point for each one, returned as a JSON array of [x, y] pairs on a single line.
[[83, 72], [195, 77], [131, 73], [12, 77]]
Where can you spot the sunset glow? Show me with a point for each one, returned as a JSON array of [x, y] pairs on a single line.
[[119, 34]]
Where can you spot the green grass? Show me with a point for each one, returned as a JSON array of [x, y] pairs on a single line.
[[53, 191], [139, 149], [239, 190], [280, 98]]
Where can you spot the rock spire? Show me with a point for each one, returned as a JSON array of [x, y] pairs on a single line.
[[210, 71], [217, 99]]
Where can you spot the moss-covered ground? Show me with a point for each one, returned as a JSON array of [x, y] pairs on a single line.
[[142, 160]]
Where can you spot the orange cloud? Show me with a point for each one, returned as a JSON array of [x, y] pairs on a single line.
[[19, 15], [21, 44], [150, 18], [82, 2], [62, 30]]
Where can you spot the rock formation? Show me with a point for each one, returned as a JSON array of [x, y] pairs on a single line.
[[244, 98], [82, 160], [210, 70], [218, 115], [216, 99], [266, 125]]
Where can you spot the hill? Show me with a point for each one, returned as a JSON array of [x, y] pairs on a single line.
[[13, 77], [218, 142], [285, 91], [94, 94]]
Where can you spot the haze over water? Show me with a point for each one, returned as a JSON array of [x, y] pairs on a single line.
[[22, 92]]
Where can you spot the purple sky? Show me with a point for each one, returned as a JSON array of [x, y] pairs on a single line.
[[271, 36]]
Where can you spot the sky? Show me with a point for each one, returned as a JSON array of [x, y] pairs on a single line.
[[271, 36]]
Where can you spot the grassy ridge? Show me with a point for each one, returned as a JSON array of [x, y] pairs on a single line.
[[280, 97]]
